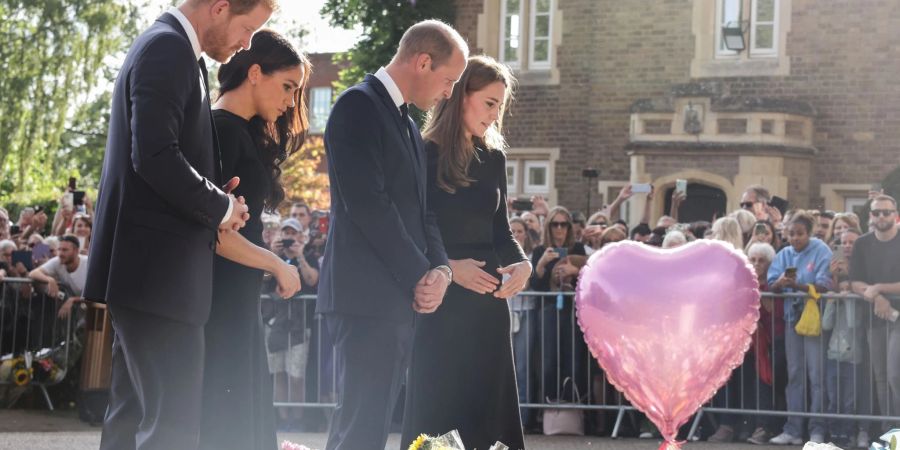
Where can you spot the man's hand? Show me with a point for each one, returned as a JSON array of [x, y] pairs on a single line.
[[288, 278], [882, 307], [66, 309], [468, 274], [39, 221], [871, 293], [429, 292], [239, 215], [518, 279], [52, 288]]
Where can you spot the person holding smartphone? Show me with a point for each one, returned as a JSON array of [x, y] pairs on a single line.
[[556, 264], [803, 263], [764, 231]]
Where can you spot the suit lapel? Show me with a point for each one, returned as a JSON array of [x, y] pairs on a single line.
[[217, 155], [406, 128]]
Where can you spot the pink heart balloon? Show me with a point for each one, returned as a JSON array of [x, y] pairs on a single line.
[[668, 326]]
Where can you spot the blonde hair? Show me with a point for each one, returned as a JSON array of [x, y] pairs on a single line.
[[445, 126], [727, 229]]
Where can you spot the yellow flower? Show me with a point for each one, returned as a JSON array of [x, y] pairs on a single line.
[[417, 444]]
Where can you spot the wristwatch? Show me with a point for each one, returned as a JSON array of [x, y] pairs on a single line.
[[447, 271]]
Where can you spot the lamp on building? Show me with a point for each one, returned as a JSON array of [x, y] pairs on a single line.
[[733, 36]]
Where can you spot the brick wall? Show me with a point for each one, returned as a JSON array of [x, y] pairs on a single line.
[[844, 61]]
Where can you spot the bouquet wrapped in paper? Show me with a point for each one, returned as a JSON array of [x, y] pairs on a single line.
[[449, 441]]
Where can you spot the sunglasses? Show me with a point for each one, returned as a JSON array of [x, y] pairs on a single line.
[[560, 224], [883, 212], [601, 224], [747, 205]]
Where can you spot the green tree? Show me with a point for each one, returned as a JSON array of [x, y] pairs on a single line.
[[383, 24], [54, 81]]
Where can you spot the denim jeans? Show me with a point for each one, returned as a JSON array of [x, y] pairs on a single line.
[[840, 384], [805, 368]]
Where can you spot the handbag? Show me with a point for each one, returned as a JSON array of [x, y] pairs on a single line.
[[810, 323], [564, 420]]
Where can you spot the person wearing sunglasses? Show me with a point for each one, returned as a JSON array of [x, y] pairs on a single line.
[[875, 274], [557, 263]]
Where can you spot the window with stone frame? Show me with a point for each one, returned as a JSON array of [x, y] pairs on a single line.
[[320, 108], [765, 25], [759, 21], [526, 33]]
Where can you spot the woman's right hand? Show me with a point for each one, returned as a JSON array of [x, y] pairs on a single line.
[[783, 282], [468, 274], [549, 255], [288, 278]]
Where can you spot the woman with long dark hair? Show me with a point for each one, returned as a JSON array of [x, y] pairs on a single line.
[[260, 120], [462, 375]]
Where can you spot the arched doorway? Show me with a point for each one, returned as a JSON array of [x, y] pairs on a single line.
[[703, 202]]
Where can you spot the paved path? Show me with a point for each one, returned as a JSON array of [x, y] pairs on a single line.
[[42, 430]]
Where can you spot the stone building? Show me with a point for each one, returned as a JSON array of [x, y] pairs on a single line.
[[802, 98]]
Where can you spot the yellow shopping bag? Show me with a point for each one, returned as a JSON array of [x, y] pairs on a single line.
[[810, 323]]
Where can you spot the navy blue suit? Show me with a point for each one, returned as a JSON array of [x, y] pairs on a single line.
[[381, 242], [154, 240]]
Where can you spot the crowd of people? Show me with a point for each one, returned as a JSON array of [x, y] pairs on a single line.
[[791, 251]]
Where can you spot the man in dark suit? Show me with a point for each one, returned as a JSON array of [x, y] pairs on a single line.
[[157, 217], [384, 259]]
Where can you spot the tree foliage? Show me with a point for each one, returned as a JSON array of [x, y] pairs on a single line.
[[302, 176], [55, 78], [383, 24]]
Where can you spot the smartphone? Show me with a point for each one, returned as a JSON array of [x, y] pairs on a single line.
[[24, 257], [760, 228], [779, 203], [681, 186], [323, 225], [78, 198], [640, 188], [561, 251], [285, 243], [14, 229], [522, 205], [69, 201], [40, 251], [790, 272], [894, 315]]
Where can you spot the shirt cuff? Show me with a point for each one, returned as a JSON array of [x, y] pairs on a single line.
[[228, 211]]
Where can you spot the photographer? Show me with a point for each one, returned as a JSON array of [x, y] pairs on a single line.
[[287, 322]]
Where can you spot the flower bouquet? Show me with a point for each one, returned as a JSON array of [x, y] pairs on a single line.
[[449, 441]]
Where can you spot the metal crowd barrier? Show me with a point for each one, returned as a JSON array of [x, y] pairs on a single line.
[[549, 350], [37, 347]]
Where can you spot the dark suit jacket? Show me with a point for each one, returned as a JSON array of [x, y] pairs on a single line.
[[382, 239], [157, 213]]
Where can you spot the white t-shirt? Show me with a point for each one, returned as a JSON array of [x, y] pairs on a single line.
[[74, 280]]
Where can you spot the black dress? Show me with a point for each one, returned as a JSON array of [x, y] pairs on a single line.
[[462, 374], [237, 388]]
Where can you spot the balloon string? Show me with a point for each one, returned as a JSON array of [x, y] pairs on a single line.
[[671, 445]]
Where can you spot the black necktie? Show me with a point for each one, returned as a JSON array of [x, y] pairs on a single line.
[[404, 114], [216, 154]]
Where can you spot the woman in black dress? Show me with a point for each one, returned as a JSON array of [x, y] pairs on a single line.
[[462, 374], [260, 120]]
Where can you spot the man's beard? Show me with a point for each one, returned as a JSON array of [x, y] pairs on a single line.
[[884, 226], [216, 40]]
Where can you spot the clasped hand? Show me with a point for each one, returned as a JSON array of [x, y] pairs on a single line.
[[429, 291]]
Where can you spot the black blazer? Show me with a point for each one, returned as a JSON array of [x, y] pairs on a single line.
[[382, 238], [158, 210]]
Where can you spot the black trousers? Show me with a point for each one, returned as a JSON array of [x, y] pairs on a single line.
[[372, 356], [157, 381]]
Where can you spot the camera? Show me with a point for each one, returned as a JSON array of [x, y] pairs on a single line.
[[522, 205]]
